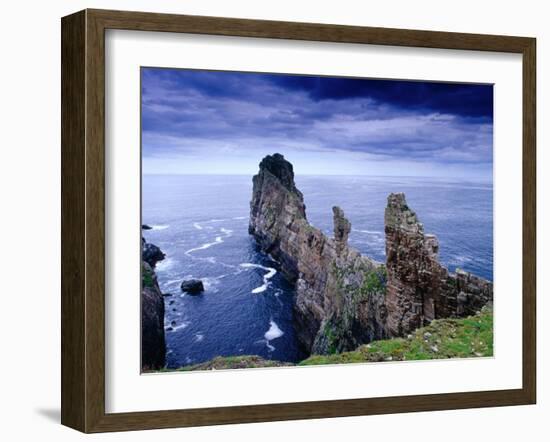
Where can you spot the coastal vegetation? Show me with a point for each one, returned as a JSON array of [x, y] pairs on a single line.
[[442, 339]]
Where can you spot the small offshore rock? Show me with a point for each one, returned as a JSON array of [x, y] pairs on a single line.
[[173, 323], [146, 227], [192, 286], [167, 294]]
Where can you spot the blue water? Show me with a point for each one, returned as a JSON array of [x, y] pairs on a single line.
[[201, 224]]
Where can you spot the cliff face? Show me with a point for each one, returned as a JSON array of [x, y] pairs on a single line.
[[338, 291], [344, 299], [153, 345], [419, 289]]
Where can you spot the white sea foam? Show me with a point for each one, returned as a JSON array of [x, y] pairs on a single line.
[[225, 231], [270, 274], [159, 226], [241, 217], [210, 284], [164, 265], [199, 337], [177, 327], [197, 226], [218, 240], [274, 331]]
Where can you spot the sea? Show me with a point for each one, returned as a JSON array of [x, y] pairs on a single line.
[[201, 223]]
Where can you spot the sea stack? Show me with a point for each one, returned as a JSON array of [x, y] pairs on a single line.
[[344, 299], [419, 289], [337, 290], [153, 344]]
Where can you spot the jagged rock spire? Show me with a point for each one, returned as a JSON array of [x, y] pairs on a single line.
[[398, 215], [419, 289], [279, 168], [342, 228]]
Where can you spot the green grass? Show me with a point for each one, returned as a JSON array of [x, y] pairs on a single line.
[[146, 277], [442, 339], [375, 281], [233, 362]]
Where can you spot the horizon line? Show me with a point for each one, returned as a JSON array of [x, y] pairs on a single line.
[[488, 179]]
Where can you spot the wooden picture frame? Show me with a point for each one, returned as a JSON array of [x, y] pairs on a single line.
[[83, 220]]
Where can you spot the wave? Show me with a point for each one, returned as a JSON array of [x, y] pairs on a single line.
[[274, 331], [164, 265], [175, 328], [271, 272], [218, 240], [241, 217], [210, 283], [197, 226], [461, 259], [159, 226], [199, 337]]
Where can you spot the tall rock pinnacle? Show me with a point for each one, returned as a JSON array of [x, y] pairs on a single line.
[[419, 289], [342, 228], [328, 274]]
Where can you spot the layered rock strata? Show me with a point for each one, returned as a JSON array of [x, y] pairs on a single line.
[[339, 293], [344, 299], [419, 289], [153, 344]]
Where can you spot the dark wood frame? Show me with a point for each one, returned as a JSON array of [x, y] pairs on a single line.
[[83, 217]]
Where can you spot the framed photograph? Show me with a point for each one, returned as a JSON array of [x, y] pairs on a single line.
[[269, 220]]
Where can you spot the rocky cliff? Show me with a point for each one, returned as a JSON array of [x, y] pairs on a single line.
[[153, 345], [339, 293], [344, 299], [419, 289]]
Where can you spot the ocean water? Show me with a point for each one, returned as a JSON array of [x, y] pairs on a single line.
[[201, 224]]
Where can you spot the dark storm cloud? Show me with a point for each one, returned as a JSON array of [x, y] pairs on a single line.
[[421, 121]]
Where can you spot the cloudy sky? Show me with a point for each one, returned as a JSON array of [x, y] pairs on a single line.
[[197, 122]]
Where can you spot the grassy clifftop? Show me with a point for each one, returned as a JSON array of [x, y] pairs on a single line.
[[442, 339]]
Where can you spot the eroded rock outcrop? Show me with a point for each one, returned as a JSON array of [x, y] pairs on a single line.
[[344, 299], [419, 289], [339, 293], [153, 344], [150, 253]]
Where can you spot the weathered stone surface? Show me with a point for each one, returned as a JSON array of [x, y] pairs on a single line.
[[344, 299], [153, 344], [342, 228], [192, 286], [419, 289], [334, 306], [150, 253]]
